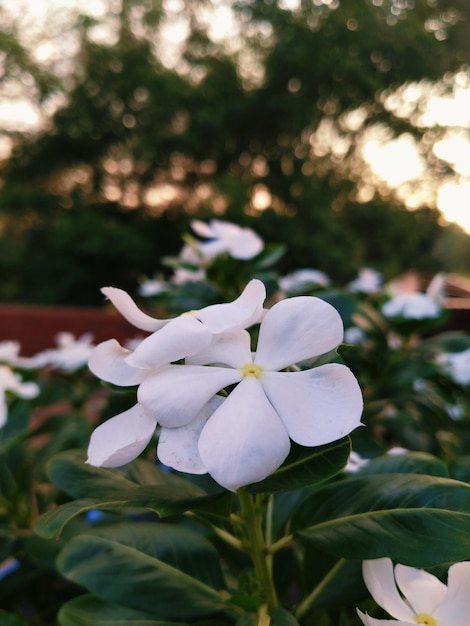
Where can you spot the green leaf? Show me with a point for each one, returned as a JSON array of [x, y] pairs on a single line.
[[164, 500], [178, 546], [69, 471], [305, 467], [120, 574], [408, 463], [89, 610], [282, 617], [415, 519]]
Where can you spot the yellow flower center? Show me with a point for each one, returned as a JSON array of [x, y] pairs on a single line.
[[250, 369], [425, 618]]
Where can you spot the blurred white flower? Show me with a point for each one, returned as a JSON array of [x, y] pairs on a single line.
[[153, 287], [413, 596], [456, 365], [367, 281], [409, 303], [70, 355], [245, 437], [354, 335], [10, 353], [239, 243], [12, 382], [303, 279], [355, 461]]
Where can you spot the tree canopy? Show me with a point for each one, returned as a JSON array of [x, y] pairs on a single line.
[[264, 128]]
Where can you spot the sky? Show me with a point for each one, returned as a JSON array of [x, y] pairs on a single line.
[[396, 162]]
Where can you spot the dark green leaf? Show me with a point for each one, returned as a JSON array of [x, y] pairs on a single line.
[[408, 463], [123, 575], [415, 519], [160, 499], [89, 610], [306, 466]]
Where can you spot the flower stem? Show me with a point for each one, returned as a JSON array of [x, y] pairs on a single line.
[[252, 511], [305, 605]]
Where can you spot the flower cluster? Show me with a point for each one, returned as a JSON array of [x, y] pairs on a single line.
[[186, 366]]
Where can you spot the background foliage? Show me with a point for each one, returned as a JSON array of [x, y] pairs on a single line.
[[257, 128]]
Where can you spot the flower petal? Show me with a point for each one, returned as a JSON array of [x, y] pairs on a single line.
[[128, 309], [121, 439], [455, 608], [244, 441], [108, 362], [317, 406], [423, 591], [178, 447], [297, 329], [379, 579], [175, 394], [181, 337], [232, 349], [243, 312]]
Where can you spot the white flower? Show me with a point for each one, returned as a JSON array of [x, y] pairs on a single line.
[[367, 281], [303, 279], [354, 335], [245, 437], [10, 381], [70, 355], [10, 353], [409, 303], [153, 287], [413, 596], [240, 243], [125, 436], [355, 462], [456, 365]]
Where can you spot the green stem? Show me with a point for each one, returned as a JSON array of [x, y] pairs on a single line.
[[252, 513], [307, 602]]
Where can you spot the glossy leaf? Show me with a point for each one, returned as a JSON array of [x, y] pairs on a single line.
[[89, 610], [163, 500], [120, 574], [415, 519], [305, 467]]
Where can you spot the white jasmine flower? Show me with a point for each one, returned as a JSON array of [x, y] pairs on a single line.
[[367, 281], [412, 596], [303, 279], [12, 382], [70, 355], [240, 243], [456, 365], [409, 303]]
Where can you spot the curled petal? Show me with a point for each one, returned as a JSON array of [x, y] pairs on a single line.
[[297, 329], [181, 337], [244, 441], [128, 309], [175, 394], [121, 439], [243, 312], [108, 362], [178, 447], [423, 591], [317, 406], [232, 349], [380, 581], [455, 608]]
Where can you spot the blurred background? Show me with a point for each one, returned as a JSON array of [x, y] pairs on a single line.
[[340, 129]]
